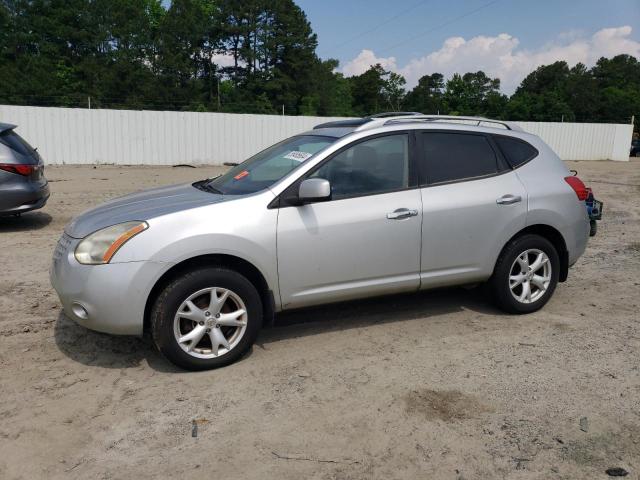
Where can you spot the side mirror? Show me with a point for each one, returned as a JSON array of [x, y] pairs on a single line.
[[314, 190]]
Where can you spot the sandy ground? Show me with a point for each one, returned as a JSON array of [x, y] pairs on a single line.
[[433, 385]]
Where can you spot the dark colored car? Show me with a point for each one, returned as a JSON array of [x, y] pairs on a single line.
[[23, 186], [635, 148]]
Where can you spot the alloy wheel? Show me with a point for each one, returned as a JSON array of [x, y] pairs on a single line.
[[530, 275], [210, 322]]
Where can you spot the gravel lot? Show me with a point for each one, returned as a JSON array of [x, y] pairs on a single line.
[[433, 385]]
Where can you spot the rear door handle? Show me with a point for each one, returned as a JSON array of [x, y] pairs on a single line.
[[509, 199], [401, 213]]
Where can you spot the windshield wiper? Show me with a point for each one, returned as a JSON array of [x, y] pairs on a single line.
[[205, 186]]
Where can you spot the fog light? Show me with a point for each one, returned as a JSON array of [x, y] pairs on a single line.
[[79, 311]]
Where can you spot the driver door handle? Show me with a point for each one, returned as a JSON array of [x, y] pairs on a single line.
[[401, 213], [509, 199]]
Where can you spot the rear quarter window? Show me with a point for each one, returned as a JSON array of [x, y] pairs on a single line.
[[516, 151]]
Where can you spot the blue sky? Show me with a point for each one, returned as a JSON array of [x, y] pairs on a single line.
[[506, 38]]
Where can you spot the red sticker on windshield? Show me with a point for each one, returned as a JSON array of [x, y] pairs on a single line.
[[242, 174]]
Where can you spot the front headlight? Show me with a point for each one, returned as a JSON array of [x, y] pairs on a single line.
[[100, 246]]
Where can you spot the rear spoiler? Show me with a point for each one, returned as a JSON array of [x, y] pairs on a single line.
[[6, 126]]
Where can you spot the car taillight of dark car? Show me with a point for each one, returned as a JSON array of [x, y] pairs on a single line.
[[24, 170]]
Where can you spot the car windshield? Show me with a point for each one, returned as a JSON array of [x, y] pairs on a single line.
[[267, 167]]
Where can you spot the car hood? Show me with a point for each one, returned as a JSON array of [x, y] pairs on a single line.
[[141, 206]]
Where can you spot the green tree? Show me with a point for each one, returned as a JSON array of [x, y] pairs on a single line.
[[544, 107], [366, 90], [42, 45], [393, 90], [618, 82], [618, 71], [158, 54], [520, 107], [608, 92], [474, 93], [377, 90], [330, 92], [542, 95], [545, 78], [582, 94], [618, 105], [117, 70], [428, 96], [291, 52], [180, 45]]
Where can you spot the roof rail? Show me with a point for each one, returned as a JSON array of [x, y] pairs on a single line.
[[454, 118], [394, 114]]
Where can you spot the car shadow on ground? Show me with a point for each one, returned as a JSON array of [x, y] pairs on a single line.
[[376, 311], [96, 349], [112, 351], [25, 222]]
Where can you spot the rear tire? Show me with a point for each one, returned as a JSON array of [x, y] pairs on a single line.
[[526, 274], [207, 318]]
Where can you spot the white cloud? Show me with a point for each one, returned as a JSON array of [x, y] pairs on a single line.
[[364, 60], [223, 59], [501, 56]]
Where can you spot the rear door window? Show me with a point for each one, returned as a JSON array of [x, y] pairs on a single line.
[[516, 151], [449, 157]]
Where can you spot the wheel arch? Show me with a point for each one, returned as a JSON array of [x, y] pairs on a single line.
[[556, 239], [232, 262]]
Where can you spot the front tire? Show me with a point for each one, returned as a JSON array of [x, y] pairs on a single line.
[[526, 274], [206, 318]]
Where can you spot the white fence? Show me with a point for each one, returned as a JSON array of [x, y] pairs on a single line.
[[584, 141], [126, 137]]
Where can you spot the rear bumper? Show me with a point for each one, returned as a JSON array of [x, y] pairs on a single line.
[[577, 240], [23, 197]]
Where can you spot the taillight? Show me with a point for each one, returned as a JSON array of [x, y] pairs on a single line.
[[578, 187], [25, 170]]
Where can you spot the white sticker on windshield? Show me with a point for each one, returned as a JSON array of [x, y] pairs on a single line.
[[298, 156]]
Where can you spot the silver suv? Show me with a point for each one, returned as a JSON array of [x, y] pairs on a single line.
[[373, 206]]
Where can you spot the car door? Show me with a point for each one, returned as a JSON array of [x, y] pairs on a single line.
[[366, 239], [473, 202]]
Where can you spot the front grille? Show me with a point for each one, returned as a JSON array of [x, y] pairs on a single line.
[[62, 247]]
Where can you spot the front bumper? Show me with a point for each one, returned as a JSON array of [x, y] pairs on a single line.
[[113, 295]]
